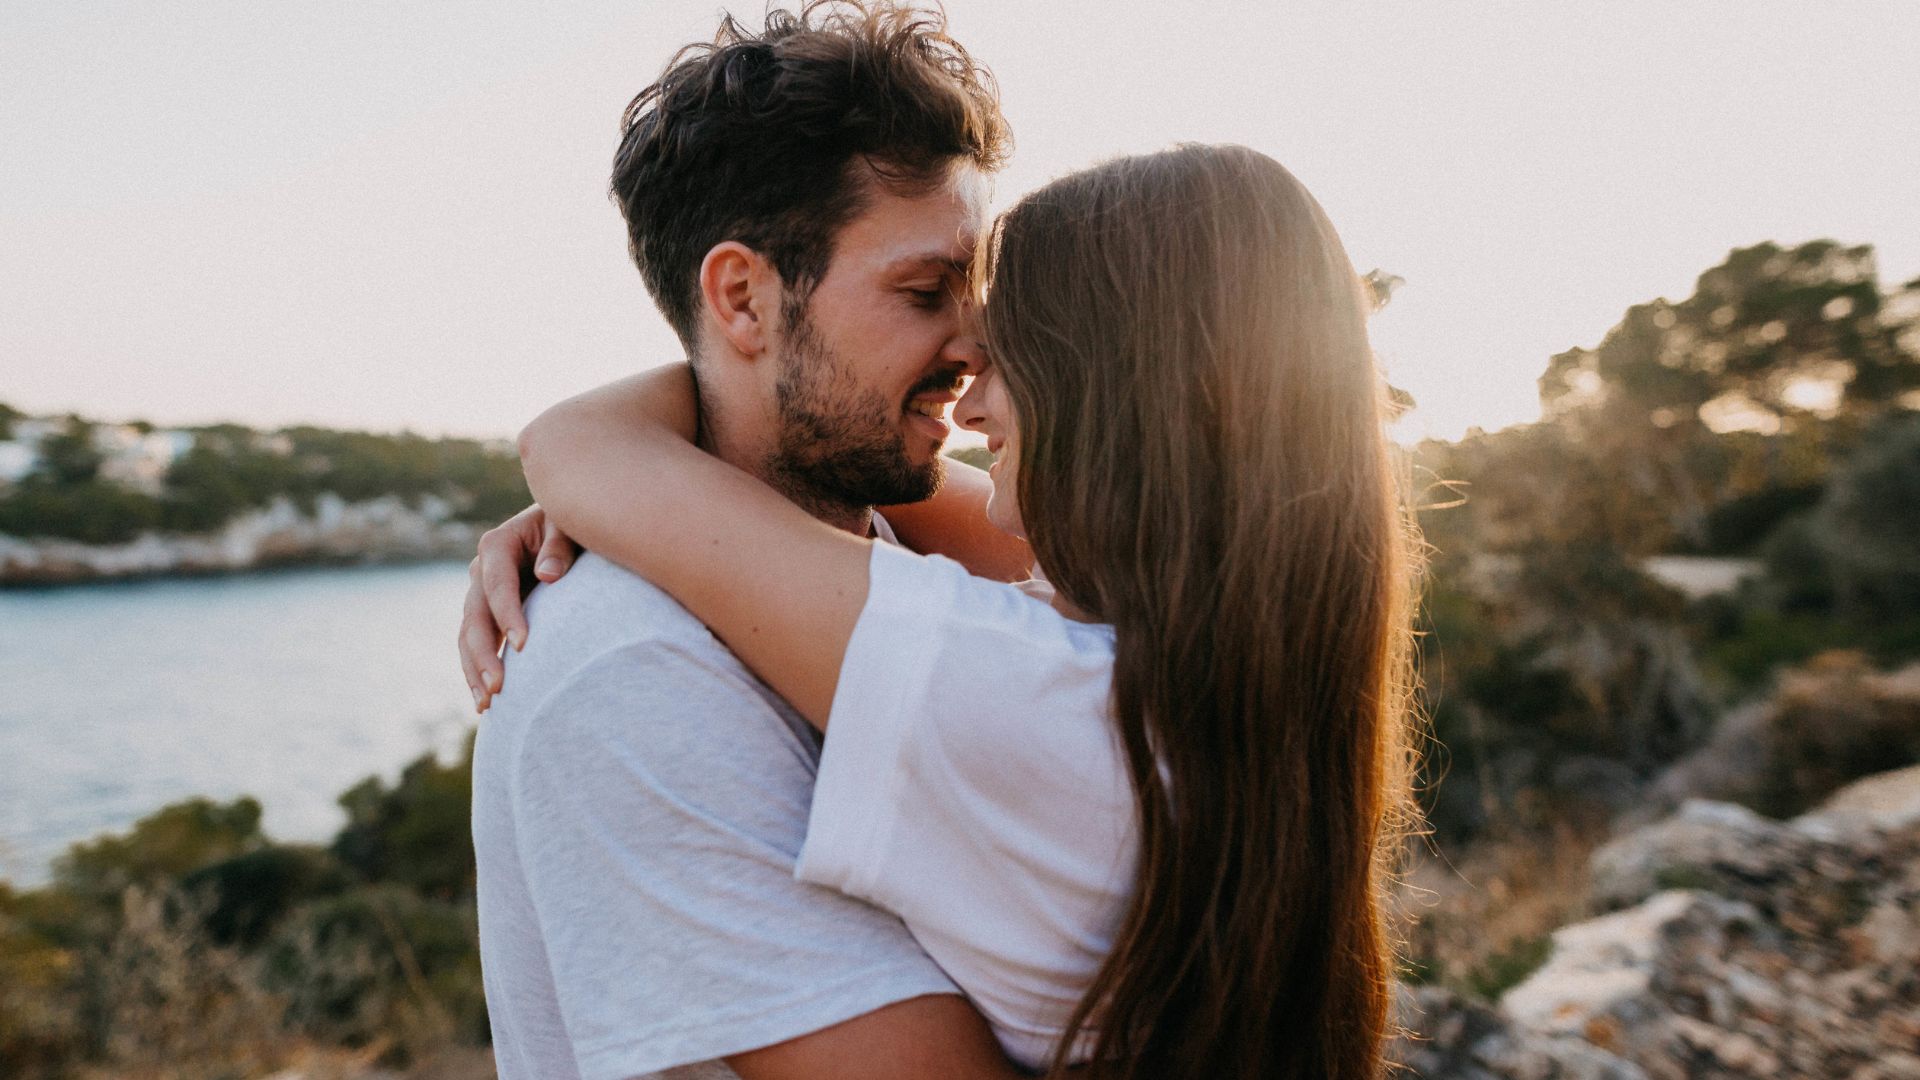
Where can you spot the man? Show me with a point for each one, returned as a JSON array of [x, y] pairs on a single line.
[[802, 204]]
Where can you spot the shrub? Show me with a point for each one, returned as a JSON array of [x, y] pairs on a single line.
[[162, 847], [91, 511], [417, 833], [380, 962]]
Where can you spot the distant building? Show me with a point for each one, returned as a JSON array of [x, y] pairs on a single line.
[[31, 429], [139, 460], [17, 459], [113, 440]]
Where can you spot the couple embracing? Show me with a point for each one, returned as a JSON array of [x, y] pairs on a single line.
[[1090, 764]]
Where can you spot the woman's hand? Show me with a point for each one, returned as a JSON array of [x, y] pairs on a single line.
[[524, 549]]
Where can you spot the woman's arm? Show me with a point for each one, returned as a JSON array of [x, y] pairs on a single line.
[[616, 469], [954, 523]]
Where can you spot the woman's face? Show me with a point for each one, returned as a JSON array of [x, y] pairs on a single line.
[[987, 408]]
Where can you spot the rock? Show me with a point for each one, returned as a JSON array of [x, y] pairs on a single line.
[[1892, 1067], [1827, 724], [1722, 770], [1890, 800], [1721, 847], [1794, 952], [1463, 1039], [1891, 933], [1602, 973]]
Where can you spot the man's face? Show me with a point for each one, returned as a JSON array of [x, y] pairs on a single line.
[[874, 357]]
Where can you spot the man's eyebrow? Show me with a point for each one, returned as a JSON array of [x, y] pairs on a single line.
[[941, 260]]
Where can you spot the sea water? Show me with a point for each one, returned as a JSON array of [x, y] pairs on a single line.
[[289, 686]]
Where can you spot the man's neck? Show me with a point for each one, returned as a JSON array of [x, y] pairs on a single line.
[[857, 520]]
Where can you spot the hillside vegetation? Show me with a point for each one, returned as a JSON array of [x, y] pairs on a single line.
[[109, 483]]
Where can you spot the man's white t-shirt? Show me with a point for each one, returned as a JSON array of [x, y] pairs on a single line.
[[639, 803], [973, 783]]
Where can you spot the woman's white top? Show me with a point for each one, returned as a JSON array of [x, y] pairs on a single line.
[[973, 784]]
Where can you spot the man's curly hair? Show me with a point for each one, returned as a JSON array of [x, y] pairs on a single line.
[[768, 139]]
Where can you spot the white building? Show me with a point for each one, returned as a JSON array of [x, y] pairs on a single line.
[[17, 459], [139, 461], [31, 429]]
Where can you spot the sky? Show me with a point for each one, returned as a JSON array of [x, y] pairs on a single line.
[[393, 216]]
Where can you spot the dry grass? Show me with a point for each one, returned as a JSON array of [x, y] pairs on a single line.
[[176, 1006], [1480, 920], [170, 1004]]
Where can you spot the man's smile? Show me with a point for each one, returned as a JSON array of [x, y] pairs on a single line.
[[927, 405]]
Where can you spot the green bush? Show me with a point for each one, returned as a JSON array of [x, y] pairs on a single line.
[[246, 896], [161, 848], [1509, 967], [68, 457], [417, 833], [91, 511]]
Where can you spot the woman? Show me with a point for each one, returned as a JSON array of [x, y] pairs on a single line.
[[1146, 826]]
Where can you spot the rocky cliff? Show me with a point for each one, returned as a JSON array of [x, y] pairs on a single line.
[[1729, 945], [382, 529]]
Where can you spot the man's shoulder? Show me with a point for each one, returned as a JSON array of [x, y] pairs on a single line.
[[602, 614], [607, 649], [606, 599]]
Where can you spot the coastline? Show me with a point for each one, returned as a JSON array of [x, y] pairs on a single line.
[[18, 586], [382, 531]]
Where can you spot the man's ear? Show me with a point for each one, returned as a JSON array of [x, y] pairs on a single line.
[[741, 293]]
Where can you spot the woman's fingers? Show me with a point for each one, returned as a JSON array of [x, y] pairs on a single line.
[[479, 643], [496, 577], [556, 555], [501, 566]]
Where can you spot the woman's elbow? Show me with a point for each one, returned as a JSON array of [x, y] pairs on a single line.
[[536, 444]]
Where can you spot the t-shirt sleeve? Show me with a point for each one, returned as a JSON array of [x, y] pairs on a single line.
[[967, 714], [659, 854]]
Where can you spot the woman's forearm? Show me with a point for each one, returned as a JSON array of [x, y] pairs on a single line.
[[594, 460], [617, 470], [954, 523]]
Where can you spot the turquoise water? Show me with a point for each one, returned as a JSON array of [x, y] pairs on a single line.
[[288, 686]]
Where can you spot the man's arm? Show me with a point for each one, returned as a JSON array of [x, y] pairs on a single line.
[[936, 1037]]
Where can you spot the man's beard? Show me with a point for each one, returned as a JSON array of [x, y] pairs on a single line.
[[839, 442]]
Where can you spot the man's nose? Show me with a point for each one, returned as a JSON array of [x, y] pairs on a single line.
[[964, 347], [967, 411]]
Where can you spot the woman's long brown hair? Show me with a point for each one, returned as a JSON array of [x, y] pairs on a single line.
[[1203, 464]]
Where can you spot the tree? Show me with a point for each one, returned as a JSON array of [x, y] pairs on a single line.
[[1857, 553], [1771, 339], [69, 456], [91, 511], [1751, 387]]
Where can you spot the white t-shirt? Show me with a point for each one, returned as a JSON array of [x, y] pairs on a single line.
[[639, 801], [973, 783]]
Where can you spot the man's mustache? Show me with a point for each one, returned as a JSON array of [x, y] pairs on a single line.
[[939, 382]]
